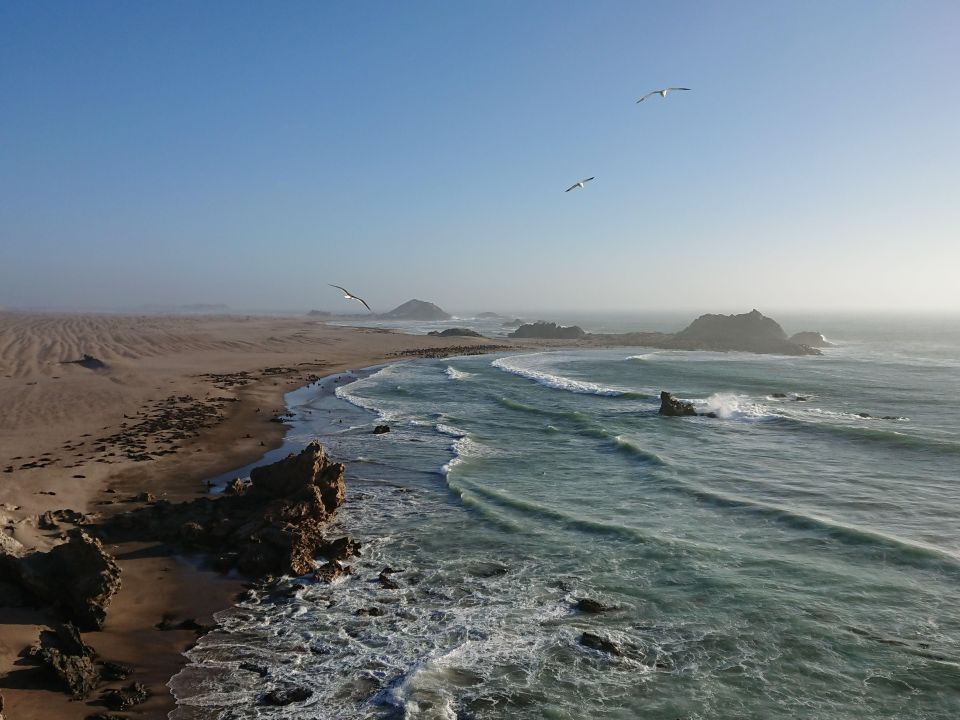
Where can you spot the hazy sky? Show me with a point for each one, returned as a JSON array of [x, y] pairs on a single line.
[[249, 153]]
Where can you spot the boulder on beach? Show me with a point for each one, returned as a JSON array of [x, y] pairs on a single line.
[[68, 661], [548, 330], [78, 578]]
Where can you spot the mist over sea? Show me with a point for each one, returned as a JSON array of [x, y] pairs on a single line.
[[788, 559]]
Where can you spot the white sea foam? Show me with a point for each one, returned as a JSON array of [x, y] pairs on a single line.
[[735, 407], [455, 374], [520, 365]]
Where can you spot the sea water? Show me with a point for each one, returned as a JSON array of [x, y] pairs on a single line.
[[790, 558]]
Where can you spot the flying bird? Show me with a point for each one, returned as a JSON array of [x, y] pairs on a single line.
[[661, 93], [579, 184], [350, 296]]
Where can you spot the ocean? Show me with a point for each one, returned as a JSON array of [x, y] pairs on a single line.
[[790, 558]]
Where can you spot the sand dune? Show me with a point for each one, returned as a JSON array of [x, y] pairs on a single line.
[[180, 399]]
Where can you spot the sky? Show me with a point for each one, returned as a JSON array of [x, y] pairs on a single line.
[[249, 153]]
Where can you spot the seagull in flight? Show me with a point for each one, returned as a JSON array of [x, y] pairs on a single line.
[[350, 296], [579, 184], [662, 93]]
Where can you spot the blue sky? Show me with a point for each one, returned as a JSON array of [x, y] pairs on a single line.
[[249, 153]]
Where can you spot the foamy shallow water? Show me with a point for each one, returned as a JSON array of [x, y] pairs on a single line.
[[789, 559]]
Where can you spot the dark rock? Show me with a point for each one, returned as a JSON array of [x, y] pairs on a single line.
[[778, 395], [11, 596], [598, 642], [672, 407], [800, 398], [516, 322], [370, 611], [254, 668], [46, 521], [285, 695], [810, 339], [381, 429], [145, 497], [750, 332], [78, 578], [235, 487], [548, 330], [115, 671], [416, 310], [341, 548], [105, 716], [67, 659], [588, 605], [330, 571], [386, 581], [455, 332], [863, 414], [125, 698]]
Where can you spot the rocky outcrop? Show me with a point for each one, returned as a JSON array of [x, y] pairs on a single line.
[[381, 429], [416, 310], [672, 407], [67, 659], [125, 698], [455, 332], [548, 330], [810, 339], [272, 526], [516, 322], [749, 332], [77, 578]]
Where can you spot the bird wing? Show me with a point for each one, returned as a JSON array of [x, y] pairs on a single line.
[[647, 95], [587, 180], [364, 303], [678, 88], [572, 187], [342, 288]]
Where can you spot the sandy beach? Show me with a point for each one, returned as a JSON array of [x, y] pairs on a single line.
[[161, 404]]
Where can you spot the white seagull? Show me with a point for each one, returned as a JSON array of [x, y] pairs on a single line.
[[661, 93], [350, 296], [579, 184]]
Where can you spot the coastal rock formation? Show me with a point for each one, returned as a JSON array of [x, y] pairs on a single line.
[[416, 310], [548, 330], [273, 526], [516, 322], [751, 332], [810, 339], [67, 659], [672, 407], [455, 332], [747, 332], [381, 429], [77, 578]]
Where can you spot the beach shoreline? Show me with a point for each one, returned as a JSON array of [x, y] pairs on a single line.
[[234, 373]]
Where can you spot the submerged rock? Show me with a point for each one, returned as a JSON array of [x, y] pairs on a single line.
[[589, 605], [285, 695], [381, 429], [598, 642]]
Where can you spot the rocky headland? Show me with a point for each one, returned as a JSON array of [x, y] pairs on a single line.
[[416, 310]]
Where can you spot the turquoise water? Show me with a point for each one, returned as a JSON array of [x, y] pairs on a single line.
[[790, 559]]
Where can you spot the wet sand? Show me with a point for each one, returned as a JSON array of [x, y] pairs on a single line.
[[178, 400]]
